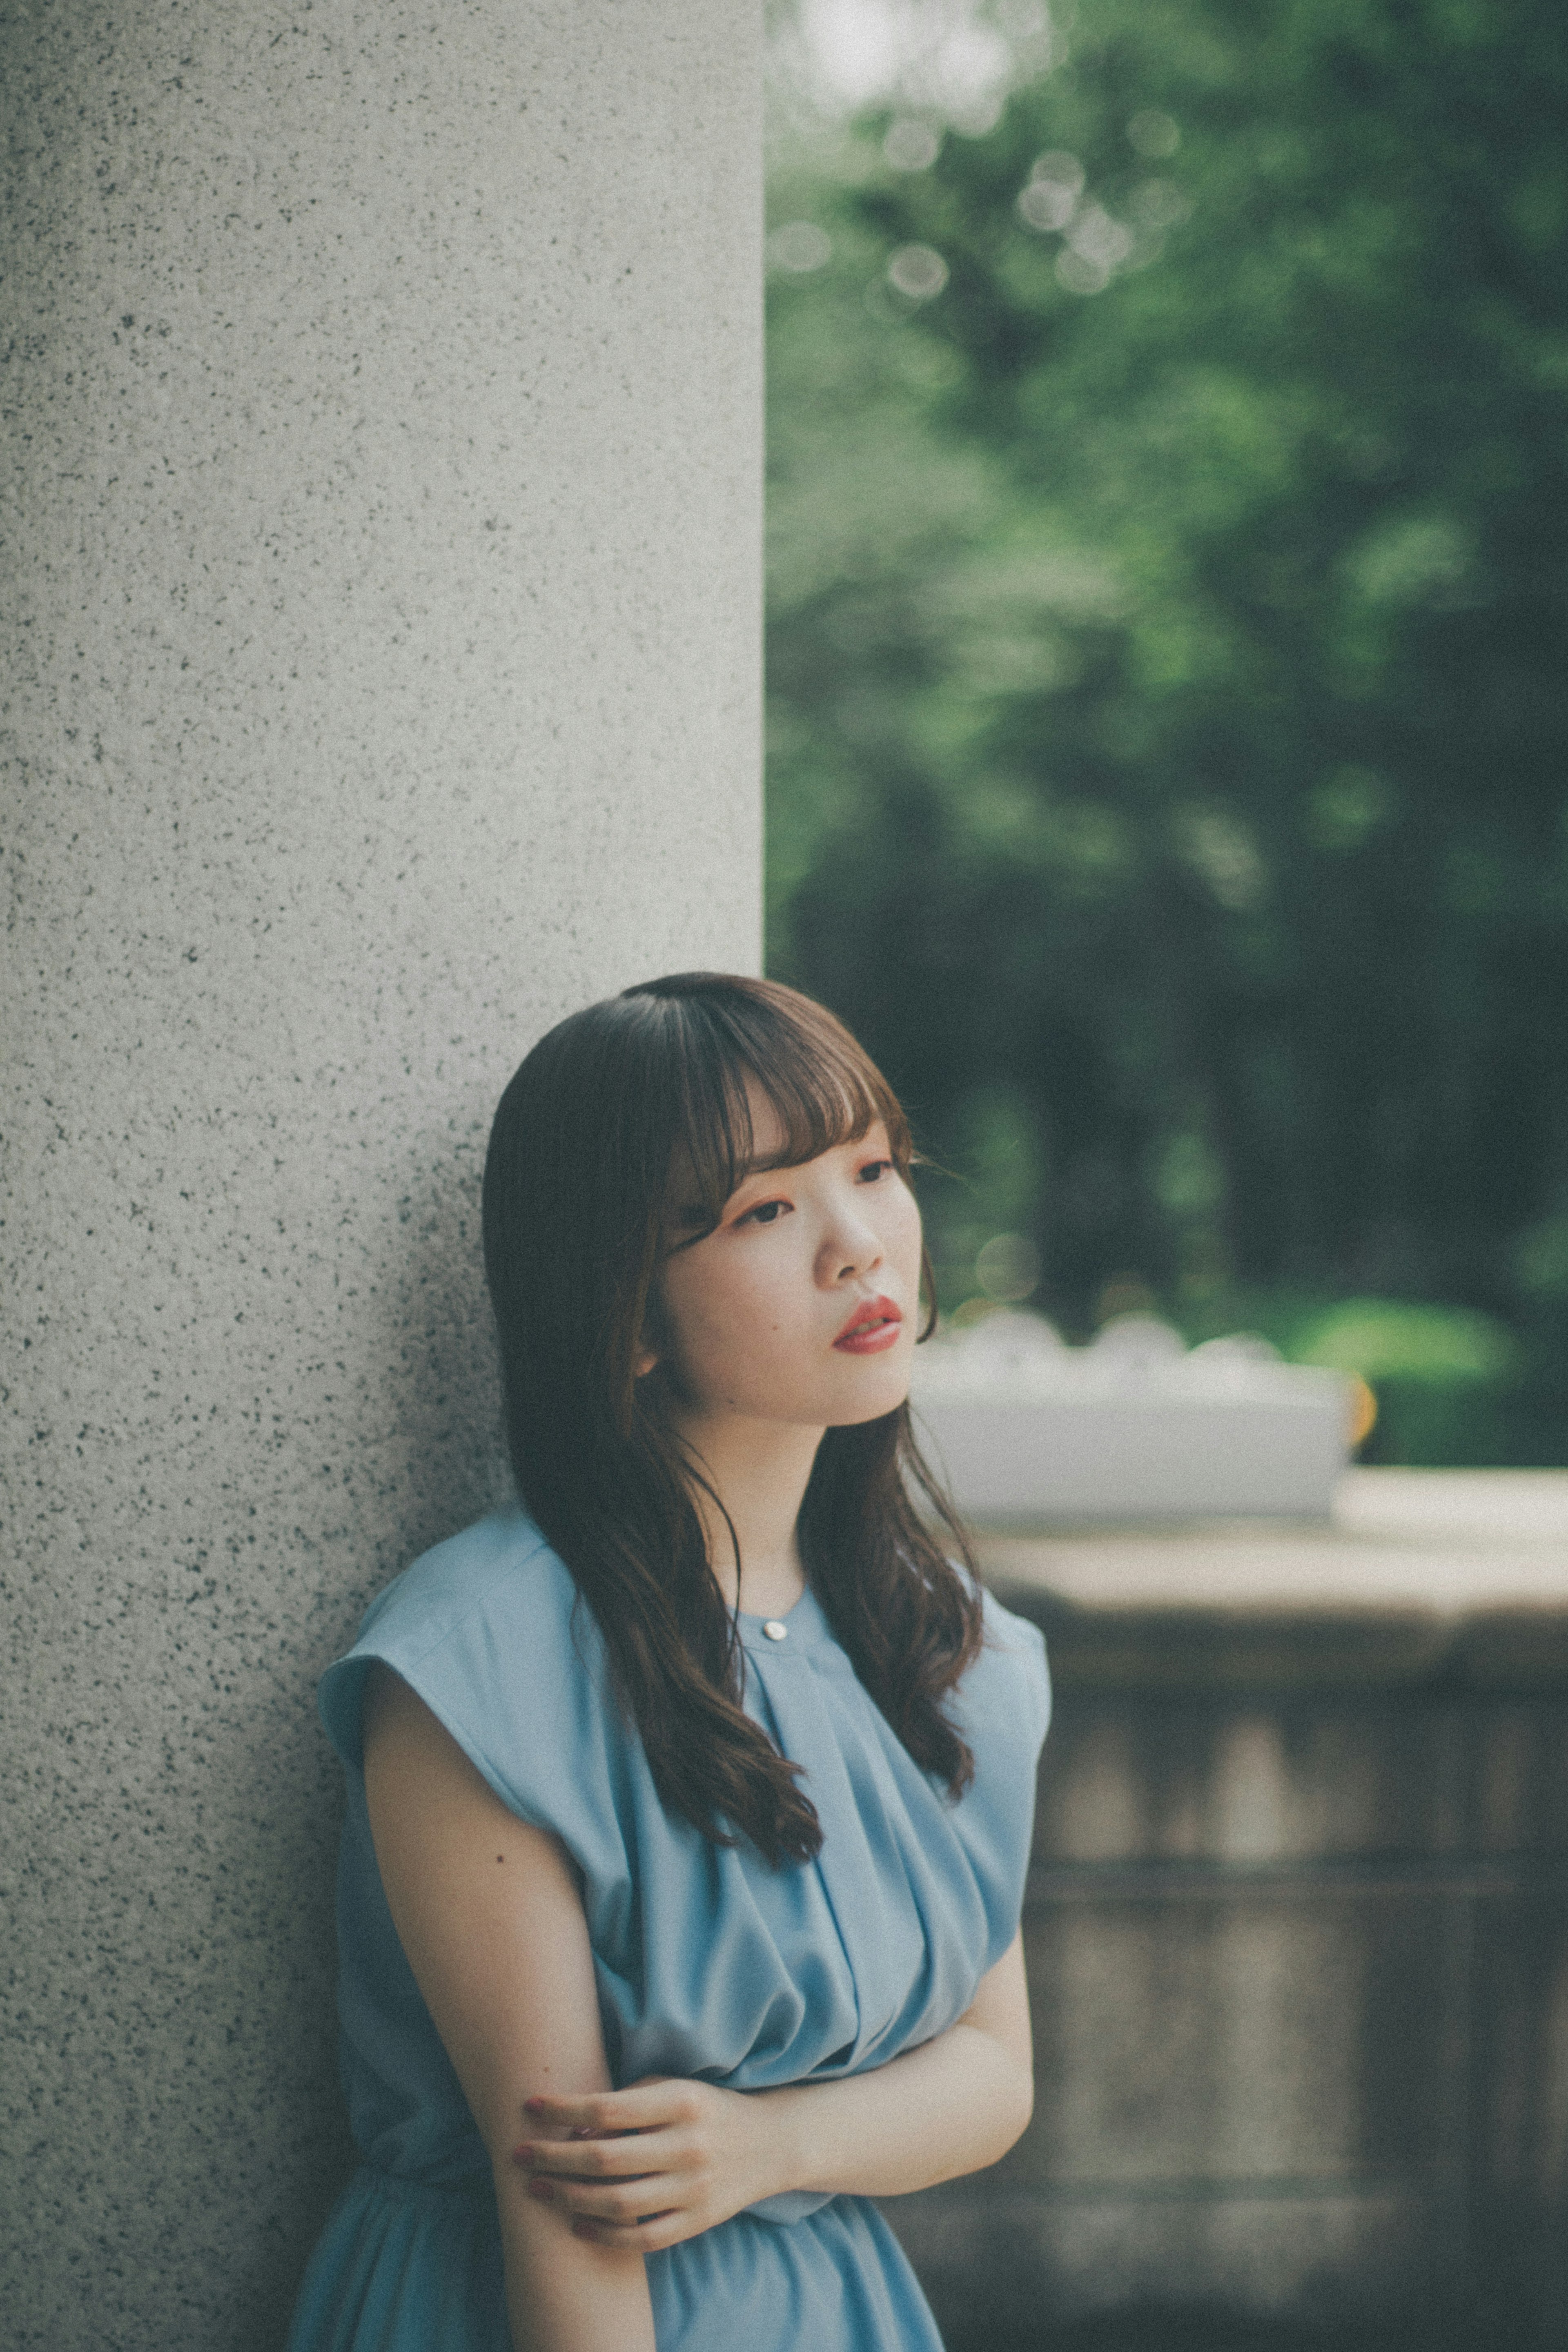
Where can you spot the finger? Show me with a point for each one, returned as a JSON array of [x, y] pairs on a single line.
[[648, 2236], [664, 2099], [591, 2159], [620, 2204]]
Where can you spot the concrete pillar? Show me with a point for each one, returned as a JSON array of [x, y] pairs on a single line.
[[382, 396]]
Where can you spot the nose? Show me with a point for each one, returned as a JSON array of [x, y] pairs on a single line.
[[850, 1247]]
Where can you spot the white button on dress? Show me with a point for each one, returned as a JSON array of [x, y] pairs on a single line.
[[776, 1629]]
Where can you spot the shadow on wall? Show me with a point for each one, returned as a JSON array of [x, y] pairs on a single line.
[[444, 1439]]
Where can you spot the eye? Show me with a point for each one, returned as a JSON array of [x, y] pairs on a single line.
[[767, 1212], [874, 1170]]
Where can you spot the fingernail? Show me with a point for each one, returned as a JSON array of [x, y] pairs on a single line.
[[525, 2154], [543, 2189], [533, 2106]]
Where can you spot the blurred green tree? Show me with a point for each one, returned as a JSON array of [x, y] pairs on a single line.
[[1167, 708]]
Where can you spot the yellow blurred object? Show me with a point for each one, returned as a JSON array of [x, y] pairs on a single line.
[[1362, 1409]]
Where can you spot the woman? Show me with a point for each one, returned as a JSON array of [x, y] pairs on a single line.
[[688, 1814]]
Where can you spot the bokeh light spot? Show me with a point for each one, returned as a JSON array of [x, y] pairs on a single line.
[[1060, 170], [911, 145], [1046, 205], [1096, 238], [800, 246], [1079, 275], [1008, 1268], [918, 272]]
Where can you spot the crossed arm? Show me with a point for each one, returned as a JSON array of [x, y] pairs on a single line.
[[588, 2179]]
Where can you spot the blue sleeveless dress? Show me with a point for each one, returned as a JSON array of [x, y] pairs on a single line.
[[708, 1962]]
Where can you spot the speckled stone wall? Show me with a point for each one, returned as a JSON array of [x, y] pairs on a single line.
[[383, 414]]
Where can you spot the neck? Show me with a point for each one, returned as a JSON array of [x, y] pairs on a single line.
[[759, 1470]]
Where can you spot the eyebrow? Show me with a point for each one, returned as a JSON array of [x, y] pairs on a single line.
[[770, 1164], [695, 1213]]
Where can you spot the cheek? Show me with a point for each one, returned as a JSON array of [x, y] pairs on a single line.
[[905, 1232], [714, 1322], [771, 1293]]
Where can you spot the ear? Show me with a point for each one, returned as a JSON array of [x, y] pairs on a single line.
[[653, 1340]]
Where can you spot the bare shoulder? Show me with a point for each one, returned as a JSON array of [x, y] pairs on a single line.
[[393, 1713], [400, 1730], [437, 1824], [420, 1785]]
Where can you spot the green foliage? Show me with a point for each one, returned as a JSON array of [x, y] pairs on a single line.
[[1168, 717], [1433, 1346], [1444, 1377]]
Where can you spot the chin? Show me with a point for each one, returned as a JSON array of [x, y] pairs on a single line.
[[870, 1408]]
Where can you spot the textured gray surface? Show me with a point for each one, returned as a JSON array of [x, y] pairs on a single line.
[[1298, 1938], [382, 408]]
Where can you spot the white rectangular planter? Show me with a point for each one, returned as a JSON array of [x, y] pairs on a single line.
[[1024, 1430], [1013, 1461]]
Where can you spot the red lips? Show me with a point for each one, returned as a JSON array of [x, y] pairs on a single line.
[[873, 1326]]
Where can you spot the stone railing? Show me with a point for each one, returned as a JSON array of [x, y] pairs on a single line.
[[1297, 1936]]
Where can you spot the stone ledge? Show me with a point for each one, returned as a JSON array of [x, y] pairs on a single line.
[[1421, 1578], [1308, 1878]]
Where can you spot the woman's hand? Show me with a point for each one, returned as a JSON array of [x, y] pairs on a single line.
[[646, 2167], [642, 2168]]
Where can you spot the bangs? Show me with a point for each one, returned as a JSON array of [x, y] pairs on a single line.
[[822, 1085]]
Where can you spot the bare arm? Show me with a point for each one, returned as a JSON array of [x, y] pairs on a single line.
[[952, 2106], [488, 1912]]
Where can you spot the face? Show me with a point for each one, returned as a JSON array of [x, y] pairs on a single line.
[[801, 1306]]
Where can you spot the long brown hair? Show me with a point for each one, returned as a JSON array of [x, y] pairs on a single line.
[[576, 1191]]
